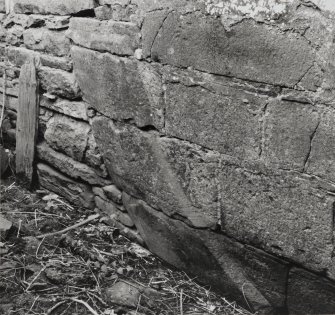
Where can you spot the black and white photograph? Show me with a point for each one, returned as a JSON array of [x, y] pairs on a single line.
[[167, 157]]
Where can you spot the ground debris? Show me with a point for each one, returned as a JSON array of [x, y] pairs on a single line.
[[60, 260]]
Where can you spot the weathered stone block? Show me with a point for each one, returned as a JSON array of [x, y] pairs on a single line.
[[214, 113], [19, 19], [113, 193], [280, 212], [12, 87], [76, 193], [53, 42], [121, 38], [322, 154], [14, 35], [309, 293], [93, 156], [213, 258], [57, 7], [114, 213], [151, 24], [68, 136], [251, 51], [56, 62], [11, 102], [104, 12], [57, 22], [19, 55], [170, 175], [120, 88], [73, 109], [59, 82], [288, 130], [72, 168], [99, 192]]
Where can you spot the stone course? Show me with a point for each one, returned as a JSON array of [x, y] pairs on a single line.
[[203, 129]]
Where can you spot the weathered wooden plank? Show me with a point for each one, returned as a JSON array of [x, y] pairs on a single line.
[[27, 122]]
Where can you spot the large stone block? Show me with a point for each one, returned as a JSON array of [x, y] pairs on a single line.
[[59, 82], [72, 168], [67, 135], [75, 192], [121, 38], [322, 154], [281, 212], [57, 7], [53, 42], [288, 130], [309, 293], [215, 113], [250, 50], [120, 88], [170, 175], [230, 267]]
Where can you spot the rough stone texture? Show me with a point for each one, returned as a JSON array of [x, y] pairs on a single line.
[[14, 35], [73, 109], [151, 25], [280, 212], [322, 152], [249, 51], [48, 41], [309, 293], [214, 258], [12, 87], [76, 193], [99, 192], [68, 136], [113, 193], [19, 55], [57, 22], [288, 130], [119, 88], [122, 293], [113, 212], [67, 165], [235, 11], [93, 156], [57, 7], [170, 175], [121, 38], [11, 102], [214, 113], [59, 82]]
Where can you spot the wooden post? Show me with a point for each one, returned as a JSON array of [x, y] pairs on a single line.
[[27, 123]]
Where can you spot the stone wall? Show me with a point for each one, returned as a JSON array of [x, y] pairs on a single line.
[[202, 128]]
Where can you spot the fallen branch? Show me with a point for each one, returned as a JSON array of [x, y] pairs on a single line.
[[72, 227], [86, 305]]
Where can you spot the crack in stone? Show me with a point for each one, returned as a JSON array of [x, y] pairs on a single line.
[[312, 136], [262, 128], [159, 29]]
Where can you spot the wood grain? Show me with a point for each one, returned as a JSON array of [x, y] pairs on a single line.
[[27, 123]]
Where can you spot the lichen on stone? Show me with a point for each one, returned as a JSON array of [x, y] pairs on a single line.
[[233, 11]]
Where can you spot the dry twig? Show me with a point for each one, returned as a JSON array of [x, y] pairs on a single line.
[[72, 227]]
